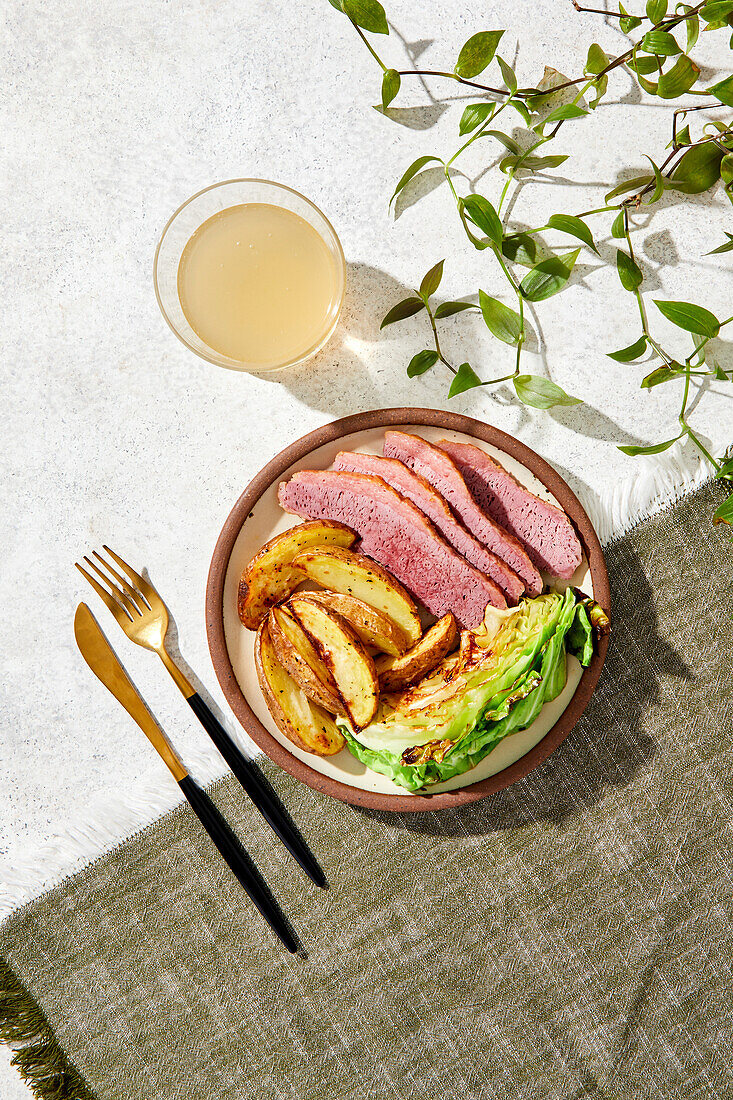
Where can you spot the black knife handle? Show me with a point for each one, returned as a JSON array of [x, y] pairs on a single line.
[[239, 861], [258, 790]]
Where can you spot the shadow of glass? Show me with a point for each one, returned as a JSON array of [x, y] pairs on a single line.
[[363, 368], [609, 746]]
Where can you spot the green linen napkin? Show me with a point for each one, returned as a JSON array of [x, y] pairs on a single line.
[[569, 937]]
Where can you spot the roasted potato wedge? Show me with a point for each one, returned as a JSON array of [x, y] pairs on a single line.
[[373, 627], [299, 657], [341, 649], [396, 673], [271, 576], [302, 722], [341, 570]]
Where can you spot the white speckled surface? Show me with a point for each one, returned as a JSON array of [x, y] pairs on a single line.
[[114, 432]]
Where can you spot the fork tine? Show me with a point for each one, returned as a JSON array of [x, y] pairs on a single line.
[[129, 605], [137, 597], [117, 610], [145, 587]]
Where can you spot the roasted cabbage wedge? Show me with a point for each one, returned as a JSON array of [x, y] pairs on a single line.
[[373, 627], [341, 570], [304, 723], [271, 576], [343, 653], [298, 655], [436, 643], [496, 684]]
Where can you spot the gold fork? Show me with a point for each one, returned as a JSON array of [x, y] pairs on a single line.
[[143, 616]]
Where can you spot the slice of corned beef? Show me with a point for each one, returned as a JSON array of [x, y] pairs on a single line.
[[544, 529], [422, 494], [397, 535], [443, 474]]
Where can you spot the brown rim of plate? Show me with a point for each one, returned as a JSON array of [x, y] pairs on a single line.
[[274, 469]]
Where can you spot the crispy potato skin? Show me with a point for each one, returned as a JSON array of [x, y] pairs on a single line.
[[270, 577], [396, 673], [302, 722], [341, 570], [373, 626], [299, 657], [344, 655]]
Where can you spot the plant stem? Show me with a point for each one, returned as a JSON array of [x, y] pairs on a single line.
[[368, 45], [433, 326]]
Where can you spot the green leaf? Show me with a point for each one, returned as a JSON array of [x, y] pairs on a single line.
[[726, 168], [367, 14], [690, 317], [575, 227], [464, 379], [596, 61], [541, 393], [521, 110], [725, 473], [693, 31], [421, 362], [658, 376], [535, 164], [336, 4], [656, 10], [505, 140], [483, 215], [727, 247], [406, 308], [431, 281], [505, 323], [683, 136], [654, 449], [628, 271], [410, 173], [724, 513], [634, 184], [723, 91], [679, 79], [641, 65], [564, 112], [508, 75], [548, 277], [618, 228], [477, 53], [474, 115], [718, 11], [521, 248], [698, 170], [661, 43], [658, 185], [627, 355], [390, 86], [447, 309], [629, 22]]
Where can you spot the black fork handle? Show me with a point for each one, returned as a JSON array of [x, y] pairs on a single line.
[[256, 787]]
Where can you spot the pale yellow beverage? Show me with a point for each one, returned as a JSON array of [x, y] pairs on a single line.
[[258, 284]]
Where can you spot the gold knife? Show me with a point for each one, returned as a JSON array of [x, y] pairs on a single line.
[[104, 663]]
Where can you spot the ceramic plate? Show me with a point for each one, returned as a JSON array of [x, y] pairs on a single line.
[[257, 516]]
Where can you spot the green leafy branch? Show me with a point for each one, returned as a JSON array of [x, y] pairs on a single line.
[[663, 69]]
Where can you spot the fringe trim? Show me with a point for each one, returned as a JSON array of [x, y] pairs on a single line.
[[662, 480], [105, 826], [659, 483], [38, 1057]]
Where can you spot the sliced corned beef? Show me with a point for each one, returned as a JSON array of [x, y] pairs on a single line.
[[397, 535], [544, 529], [421, 493], [443, 474]]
